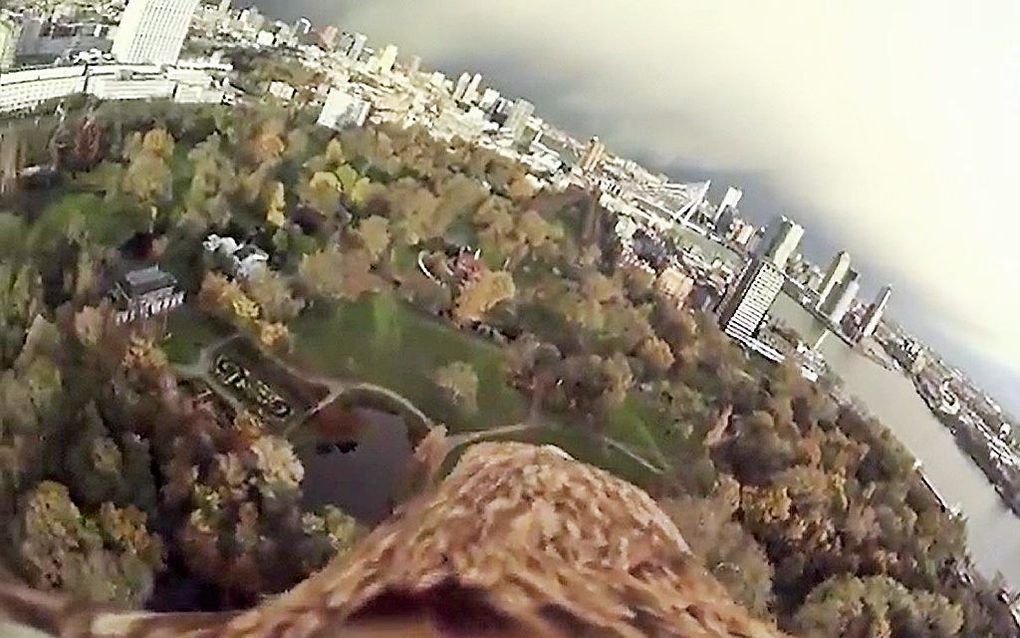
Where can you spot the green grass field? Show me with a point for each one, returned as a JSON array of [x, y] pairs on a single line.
[[382, 340], [189, 331]]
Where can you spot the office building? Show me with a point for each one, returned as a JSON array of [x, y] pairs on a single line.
[[593, 155], [488, 99], [729, 202], [753, 295], [874, 313], [358, 42], [251, 20], [780, 241], [833, 276], [342, 110], [328, 36], [471, 94], [387, 58], [841, 297], [517, 120], [460, 89], [153, 31], [10, 31], [303, 26]]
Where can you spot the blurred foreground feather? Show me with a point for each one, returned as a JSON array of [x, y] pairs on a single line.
[[517, 541]]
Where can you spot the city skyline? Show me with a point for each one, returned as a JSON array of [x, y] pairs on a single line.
[[863, 148]]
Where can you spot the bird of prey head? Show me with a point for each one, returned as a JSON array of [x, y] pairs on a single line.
[[518, 540]]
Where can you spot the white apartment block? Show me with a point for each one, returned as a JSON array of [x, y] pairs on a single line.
[[25, 90], [153, 31], [343, 109]]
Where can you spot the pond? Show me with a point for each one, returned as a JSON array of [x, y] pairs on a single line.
[[362, 469]]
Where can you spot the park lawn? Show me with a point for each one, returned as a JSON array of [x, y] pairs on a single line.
[[628, 424], [383, 340], [189, 331]]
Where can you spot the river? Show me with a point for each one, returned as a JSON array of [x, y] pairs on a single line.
[[993, 530]]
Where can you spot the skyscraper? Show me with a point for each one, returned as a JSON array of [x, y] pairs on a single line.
[[729, 201], [223, 8], [518, 119], [757, 288], [874, 313], [387, 58], [472, 94], [460, 89], [842, 296], [358, 42], [302, 26], [593, 155], [780, 241], [153, 31], [9, 32], [833, 276]]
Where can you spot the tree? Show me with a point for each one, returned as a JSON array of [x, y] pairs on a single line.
[[728, 551], [323, 192], [874, 606], [111, 558], [479, 297], [276, 203], [213, 182], [460, 384], [373, 232], [347, 275], [147, 178], [656, 355], [274, 296], [88, 143]]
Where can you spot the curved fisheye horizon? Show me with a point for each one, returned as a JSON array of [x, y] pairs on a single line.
[[886, 131], [554, 319]]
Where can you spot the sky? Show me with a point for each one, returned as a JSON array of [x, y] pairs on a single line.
[[889, 130]]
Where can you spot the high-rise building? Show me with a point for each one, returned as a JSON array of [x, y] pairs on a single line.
[[343, 109], [729, 202], [874, 313], [517, 120], [358, 42], [153, 31], [488, 99], [387, 58], [414, 64], [593, 155], [251, 19], [460, 89], [9, 33], [303, 26], [753, 295], [223, 8], [471, 95], [328, 36], [841, 297], [833, 276], [780, 241]]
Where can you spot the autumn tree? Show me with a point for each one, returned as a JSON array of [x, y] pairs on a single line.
[[340, 275], [478, 297], [459, 383], [108, 557]]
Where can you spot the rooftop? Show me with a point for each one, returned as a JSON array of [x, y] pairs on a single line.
[[143, 280]]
